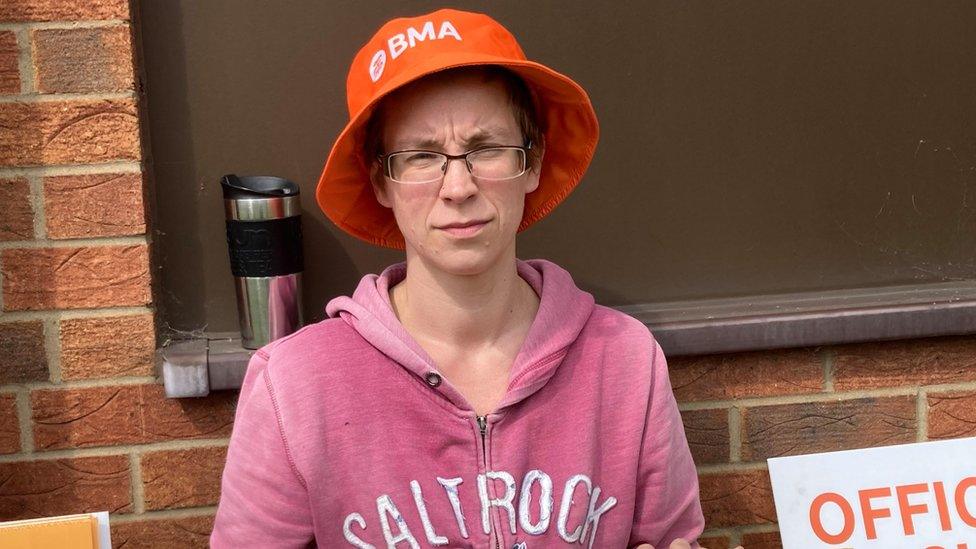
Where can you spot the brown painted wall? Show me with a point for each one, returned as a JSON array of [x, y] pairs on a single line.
[[746, 148], [83, 422]]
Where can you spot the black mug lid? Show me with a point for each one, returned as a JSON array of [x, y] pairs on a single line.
[[256, 186]]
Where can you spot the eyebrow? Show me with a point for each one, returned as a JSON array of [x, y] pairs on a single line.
[[484, 135]]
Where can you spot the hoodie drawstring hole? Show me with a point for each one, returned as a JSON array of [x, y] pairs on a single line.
[[433, 379]]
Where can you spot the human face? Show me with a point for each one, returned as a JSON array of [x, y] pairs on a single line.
[[454, 114]]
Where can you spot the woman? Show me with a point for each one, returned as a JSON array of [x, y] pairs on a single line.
[[463, 398]]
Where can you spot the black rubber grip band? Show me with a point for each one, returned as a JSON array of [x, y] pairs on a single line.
[[265, 248]]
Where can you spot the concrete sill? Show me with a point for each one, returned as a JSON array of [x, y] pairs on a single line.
[[194, 367]]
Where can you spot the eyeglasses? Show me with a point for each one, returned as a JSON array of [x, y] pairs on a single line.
[[490, 163]]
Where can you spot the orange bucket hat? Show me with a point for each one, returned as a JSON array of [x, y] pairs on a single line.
[[407, 49]]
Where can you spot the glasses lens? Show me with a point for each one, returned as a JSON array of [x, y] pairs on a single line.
[[416, 166], [497, 163]]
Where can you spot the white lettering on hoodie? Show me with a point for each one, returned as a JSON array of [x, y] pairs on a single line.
[[583, 532], [545, 503]]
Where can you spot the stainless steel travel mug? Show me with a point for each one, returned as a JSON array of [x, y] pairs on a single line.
[[264, 239]]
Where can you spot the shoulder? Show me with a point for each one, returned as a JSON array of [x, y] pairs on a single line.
[[626, 345], [308, 372], [332, 333], [618, 327], [314, 350]]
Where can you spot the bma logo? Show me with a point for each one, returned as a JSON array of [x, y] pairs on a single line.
[[399, 43], [376, 65]]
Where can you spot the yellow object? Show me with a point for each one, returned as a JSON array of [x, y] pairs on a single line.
[[65, 532]]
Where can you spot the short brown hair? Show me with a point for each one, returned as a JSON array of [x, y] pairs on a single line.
[[520, 98]]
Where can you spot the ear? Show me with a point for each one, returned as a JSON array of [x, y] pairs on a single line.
[[535, 171], [378, 182]]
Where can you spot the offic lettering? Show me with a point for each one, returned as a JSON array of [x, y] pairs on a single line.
[[872, 511]]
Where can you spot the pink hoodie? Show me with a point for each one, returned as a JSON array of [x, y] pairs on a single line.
[[346, 433]]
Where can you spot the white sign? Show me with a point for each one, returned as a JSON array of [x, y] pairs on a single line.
[[912, 496]]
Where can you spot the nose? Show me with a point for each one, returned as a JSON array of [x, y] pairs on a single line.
[[458, 183]]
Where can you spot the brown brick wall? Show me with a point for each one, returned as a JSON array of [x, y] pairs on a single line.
[[801, 401], [17, 221], [107, 346], [952, 414], [722, 377], [182, 478], [92, 205], [77, 131], [47, 487], [127, 414], [9, 425], [83, 60], [809, 427], [151, 533], [75, 278], [16, 11], [736, 498], [9, 63], [23, 358], [708, 434], [84, 424]]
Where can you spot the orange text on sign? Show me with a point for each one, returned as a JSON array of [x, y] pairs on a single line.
[[871, 511]]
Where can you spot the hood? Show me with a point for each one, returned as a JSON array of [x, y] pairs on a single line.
[[563, 311]]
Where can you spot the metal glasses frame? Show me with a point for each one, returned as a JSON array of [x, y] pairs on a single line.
[[384, 160]]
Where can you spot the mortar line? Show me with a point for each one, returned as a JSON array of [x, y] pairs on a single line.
[[852, 394], [741, 531], [758, 528], [121, 166], [52, 346], [74, 242], [135, 477], [722, 531], [34, 96], [189, 512], [922, 415], [70, 314], [25, 58], [37, 204], [741, 467], [103, 451], [735, 434], [92, 383], [96, 383], [92, 23], [735, 533], [828, 364], [24, 417]]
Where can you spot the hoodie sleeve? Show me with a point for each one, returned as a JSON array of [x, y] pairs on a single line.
[[263, 497], [667, 505]]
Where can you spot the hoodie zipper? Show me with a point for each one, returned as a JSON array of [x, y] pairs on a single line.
[[483, 427]]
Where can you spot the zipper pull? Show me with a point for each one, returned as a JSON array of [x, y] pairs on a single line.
[[482, 424]]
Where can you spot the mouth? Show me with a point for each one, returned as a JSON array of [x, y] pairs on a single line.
[[465, 229]]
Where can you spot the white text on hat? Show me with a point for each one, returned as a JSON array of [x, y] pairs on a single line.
[[400, 42]]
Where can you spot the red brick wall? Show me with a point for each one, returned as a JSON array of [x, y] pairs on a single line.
[[743, 408], [84, 425]]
